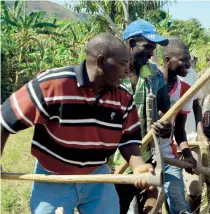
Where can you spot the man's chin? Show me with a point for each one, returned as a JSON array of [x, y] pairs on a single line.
[[183, 74], [139, 62], [114, 85]]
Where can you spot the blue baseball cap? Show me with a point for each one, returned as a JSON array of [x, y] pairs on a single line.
[[146, 29]]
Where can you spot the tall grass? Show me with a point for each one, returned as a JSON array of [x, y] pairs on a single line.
[[17, 158]]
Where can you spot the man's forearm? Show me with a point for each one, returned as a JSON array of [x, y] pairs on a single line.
[[131, 153], [197, 111], [4, 137], [181, 140], [180, 137]]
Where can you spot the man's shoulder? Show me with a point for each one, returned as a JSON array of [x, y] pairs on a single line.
[[124, 90], [56, 70], [64, 73], [156, 69]]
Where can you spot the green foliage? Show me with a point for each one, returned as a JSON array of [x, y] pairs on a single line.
[[116, 10], [31, 42]]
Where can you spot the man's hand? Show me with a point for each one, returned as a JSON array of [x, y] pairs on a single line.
[[142, 184], [187, 154], [162, 129]]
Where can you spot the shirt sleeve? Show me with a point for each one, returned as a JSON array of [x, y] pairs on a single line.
[[24, 108], [131, 132]]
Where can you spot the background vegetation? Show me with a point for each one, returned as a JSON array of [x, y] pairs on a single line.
[[32, 41]]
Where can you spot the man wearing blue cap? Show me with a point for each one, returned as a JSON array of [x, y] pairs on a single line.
[[144, 79]]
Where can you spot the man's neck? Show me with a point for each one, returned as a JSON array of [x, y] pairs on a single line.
[[170, 78], [96, 82]]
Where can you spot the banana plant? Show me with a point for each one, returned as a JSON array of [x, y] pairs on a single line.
[[25, 28]]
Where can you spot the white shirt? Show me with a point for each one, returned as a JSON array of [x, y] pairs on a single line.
[[190, 126], [179, 89]]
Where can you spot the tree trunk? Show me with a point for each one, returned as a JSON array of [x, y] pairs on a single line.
[[126, 12], [109, 20]]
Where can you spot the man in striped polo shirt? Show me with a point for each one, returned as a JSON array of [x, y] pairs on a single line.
[[81, 116]]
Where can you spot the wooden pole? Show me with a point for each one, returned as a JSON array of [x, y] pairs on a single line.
[[201, 144], [152, 179], [181, 164], [184, 165], [172, 112]]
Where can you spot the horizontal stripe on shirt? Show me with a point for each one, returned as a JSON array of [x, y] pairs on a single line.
[[73, 133]]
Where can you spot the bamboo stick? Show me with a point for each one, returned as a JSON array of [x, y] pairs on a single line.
[[184, 165], [172, 112], [201, 144], [152, 179], [180, 164]]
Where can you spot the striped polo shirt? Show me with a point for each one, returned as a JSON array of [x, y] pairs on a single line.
[[75, 129]]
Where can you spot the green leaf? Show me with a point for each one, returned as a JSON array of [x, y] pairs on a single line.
[[17, 7], [44, 24], [4, 9], [10, 22], [65, 27]]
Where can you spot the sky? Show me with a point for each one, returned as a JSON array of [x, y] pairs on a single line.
[[183, 10], [191, 9]]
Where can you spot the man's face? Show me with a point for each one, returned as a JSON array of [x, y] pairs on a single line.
[[180, 63], [141, 50], [116, 68]]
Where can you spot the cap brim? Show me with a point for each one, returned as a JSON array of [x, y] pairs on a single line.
[[156, 38]]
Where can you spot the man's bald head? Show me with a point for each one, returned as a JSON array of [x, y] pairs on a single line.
[[107, 60], [175, 47], [176, 58], [105, 44]]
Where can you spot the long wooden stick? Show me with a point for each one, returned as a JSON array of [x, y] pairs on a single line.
[[184, 165], [106, 178], [198, 143], [172, 112]]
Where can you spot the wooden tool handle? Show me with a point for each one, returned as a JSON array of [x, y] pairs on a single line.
[[184, 165], [154, 180], [173, 111]]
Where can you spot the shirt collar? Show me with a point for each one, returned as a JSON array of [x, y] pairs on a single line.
[[81, 74]]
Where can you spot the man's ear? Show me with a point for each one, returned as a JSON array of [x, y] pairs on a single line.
[[100, 61], [132, 43], [166, 60]]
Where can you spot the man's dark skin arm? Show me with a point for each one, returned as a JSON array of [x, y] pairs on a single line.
[[181, 139], [197, 111], [163, 129], [4, 136]]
